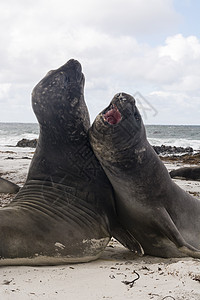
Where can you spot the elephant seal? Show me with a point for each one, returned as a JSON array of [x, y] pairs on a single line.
[[189, 173], [160, 215], [8, 187], [65, 211]]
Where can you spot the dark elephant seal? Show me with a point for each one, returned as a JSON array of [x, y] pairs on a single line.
[[8, 187], [65, 211], [161, 216], [189, 173]]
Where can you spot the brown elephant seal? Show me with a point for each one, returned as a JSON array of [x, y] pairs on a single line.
[[161, 216], [65, 211], [189, 173], [8, 187]]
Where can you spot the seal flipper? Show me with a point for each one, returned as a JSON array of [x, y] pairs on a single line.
[[127, 240], [8, 187], [169, 229]]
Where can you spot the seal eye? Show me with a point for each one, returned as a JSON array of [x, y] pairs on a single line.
[[136, 116]]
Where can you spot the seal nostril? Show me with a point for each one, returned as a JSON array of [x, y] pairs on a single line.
[[137, 117]]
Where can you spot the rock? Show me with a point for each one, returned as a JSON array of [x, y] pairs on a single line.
[[172, 149], [27, 143]]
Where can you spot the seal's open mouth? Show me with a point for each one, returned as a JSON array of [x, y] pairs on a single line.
[[113, 115]]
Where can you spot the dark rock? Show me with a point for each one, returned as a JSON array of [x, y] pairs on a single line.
[[172, 149], [27, 143]]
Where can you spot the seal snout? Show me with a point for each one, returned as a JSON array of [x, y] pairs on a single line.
[[123, 97], [121, 105], [73, 71], [72, 64]]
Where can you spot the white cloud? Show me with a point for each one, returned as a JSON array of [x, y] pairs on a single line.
[[179, 48], [105, 36], [120, 17], [128, 17], [4, 90], [174, 108]]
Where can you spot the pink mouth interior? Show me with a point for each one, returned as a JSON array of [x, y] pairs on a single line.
[[113, 116]]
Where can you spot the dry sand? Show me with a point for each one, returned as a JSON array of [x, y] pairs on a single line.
[[157, 278]]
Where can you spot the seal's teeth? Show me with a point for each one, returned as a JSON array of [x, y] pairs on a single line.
[[115, 107], [103, 116]]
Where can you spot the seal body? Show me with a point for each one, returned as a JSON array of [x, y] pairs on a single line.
[[7, 186], [189, 173], [161, 216], [65, 211]]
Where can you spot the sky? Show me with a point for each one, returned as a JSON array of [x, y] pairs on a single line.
[[149, 49]]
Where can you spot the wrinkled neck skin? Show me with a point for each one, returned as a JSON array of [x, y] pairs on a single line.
[[122, 147], [131, 161], [116, 144]]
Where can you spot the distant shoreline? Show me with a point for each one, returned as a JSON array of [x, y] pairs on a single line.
[[35, 123]]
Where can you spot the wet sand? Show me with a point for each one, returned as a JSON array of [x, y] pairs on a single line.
[[118, 274]]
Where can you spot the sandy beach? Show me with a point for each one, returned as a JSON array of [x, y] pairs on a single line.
[[118, 274]]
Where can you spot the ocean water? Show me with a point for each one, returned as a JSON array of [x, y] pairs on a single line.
[[169, 135], [11, 133], [174, 135]]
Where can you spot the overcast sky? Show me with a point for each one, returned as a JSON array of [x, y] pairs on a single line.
[[150, 49]]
